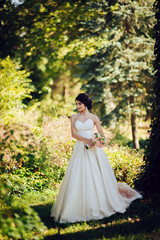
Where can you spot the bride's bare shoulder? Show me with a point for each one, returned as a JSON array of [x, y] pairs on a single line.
[[73, 117], [95, 118]]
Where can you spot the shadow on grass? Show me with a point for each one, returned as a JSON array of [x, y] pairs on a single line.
[[44, 213], [147, 213], [126, 229]]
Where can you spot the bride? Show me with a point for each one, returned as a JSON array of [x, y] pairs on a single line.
[[89, 189]]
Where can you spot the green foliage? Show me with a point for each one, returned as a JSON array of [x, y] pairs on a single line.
[[123, 66], [60, 141], [118, 138], [38, 34], [17, 222], [34, 160], [16, 149], [23, 180], [14, 87], [126, 164], [21, 147], [142, 142], [56, 106]]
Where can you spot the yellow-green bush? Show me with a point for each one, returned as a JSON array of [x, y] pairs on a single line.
[[14, 87], [126, 164]]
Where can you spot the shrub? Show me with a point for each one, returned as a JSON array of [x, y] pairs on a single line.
[[18, 222], [23, 180], [60, 143], [33, 159], [20, 147], [14, 87], [126, 164]]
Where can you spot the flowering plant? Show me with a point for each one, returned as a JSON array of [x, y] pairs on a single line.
[[98, 139]]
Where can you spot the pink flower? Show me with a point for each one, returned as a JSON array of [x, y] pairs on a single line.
[[98, 144], [98, 140]]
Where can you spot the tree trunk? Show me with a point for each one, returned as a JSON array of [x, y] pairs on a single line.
[[148, 115], [133, 125], [65, 93]]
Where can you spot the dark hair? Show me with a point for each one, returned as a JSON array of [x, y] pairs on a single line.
[[84, 98]]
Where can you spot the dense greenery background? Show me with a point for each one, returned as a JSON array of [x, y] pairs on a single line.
[[49, 52]]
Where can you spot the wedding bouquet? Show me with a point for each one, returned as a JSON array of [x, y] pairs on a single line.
[[98, 139]]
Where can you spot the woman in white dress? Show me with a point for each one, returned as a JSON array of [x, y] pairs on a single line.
[[89, 189]]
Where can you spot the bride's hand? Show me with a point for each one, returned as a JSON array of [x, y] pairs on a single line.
[[90, 143]]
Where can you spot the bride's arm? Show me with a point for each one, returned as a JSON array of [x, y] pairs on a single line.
[[98, 125], [76, 135]]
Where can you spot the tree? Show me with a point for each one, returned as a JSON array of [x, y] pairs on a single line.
[[37, 34], [149, 180], [123, 64], [14, 87]]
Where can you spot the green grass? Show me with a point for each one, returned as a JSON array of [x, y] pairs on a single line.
[[141, 221]]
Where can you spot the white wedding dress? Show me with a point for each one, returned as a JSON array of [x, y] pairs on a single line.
[[89, 189]]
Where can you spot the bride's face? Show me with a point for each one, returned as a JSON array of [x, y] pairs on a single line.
[[80, 106]]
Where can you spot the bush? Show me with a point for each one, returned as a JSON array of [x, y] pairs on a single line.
[[117, 137], [14, 87], [21, 147], [32, 158], [17, 222], [126, 164], [59, 142], [23, 180]]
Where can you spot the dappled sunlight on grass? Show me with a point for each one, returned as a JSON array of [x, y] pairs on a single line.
[[35, 198], [140, 222], [120, 228]]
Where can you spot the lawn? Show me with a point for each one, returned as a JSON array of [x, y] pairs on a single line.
[[141, 221]]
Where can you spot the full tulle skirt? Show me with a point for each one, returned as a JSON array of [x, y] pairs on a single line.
[[89, 189]]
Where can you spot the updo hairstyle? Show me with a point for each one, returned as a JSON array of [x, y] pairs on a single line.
[[84, 98]]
